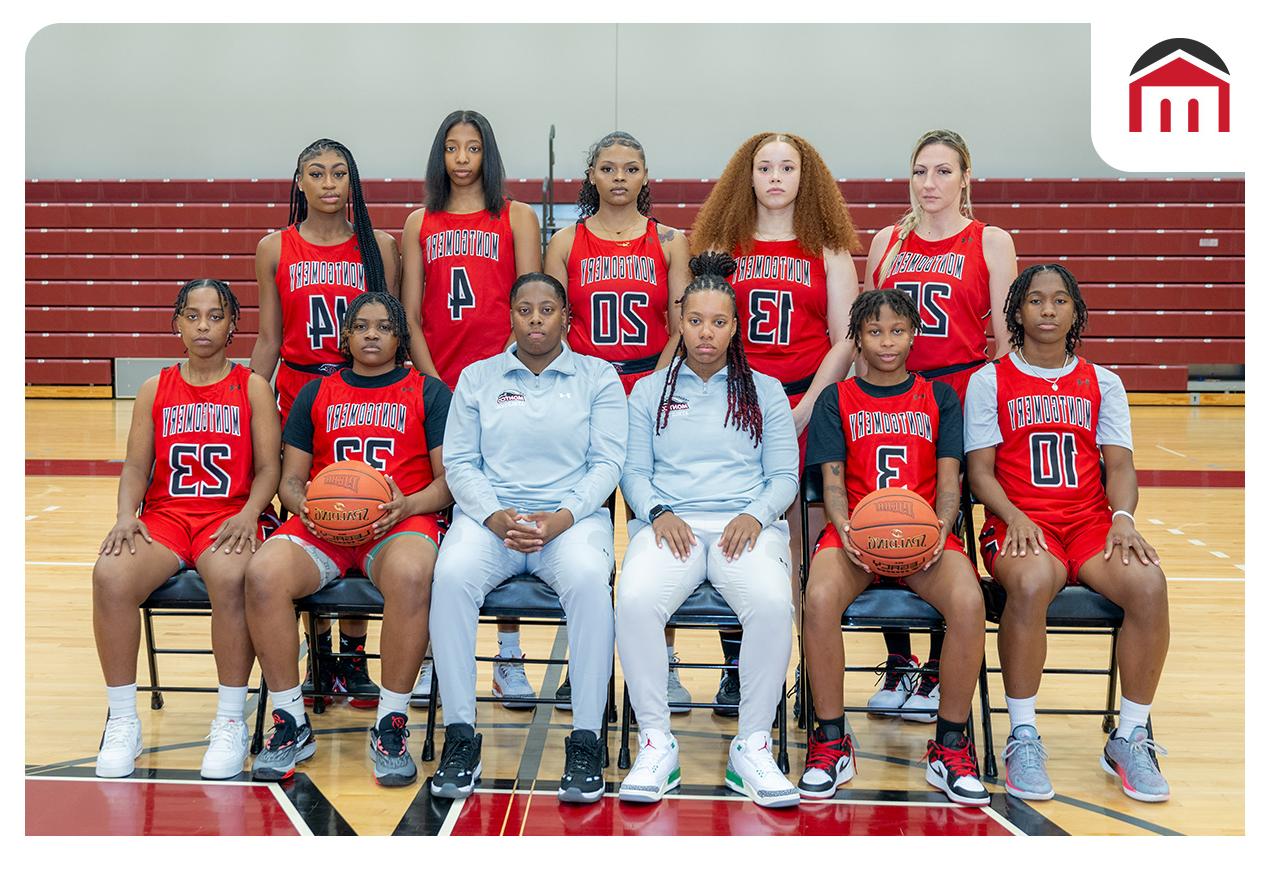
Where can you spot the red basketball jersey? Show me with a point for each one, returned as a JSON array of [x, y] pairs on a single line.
[[948, 280], [469, 266], [202, 442], [891, 441], [316, 284], [782, 302], [382, 426], [1048, 459], [618, 294]]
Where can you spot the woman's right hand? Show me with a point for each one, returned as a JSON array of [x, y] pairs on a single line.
[[124, 531], [853, 554], [304, 511], [516, 532], [1021, 533], [676, 533]]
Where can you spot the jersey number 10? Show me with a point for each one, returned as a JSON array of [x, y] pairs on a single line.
[[1053, 460]]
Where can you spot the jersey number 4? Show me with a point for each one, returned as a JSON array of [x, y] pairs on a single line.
[[771, 313], [462, 297], [927, 296], [614, 319], [324, 324], [1053, 460], [373, 450], [186, 481]]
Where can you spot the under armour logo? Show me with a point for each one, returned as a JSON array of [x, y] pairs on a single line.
[[565, 395]]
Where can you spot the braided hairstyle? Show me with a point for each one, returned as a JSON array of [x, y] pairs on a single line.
[[869, 305], [437, 185], [589, 195], [396, 315], [1018, 290], [227, 299], [366, 243], [709, 270]]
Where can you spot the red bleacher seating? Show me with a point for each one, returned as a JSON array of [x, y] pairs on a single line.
[[1160, 260]]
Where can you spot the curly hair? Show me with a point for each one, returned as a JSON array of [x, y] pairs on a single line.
[[1018, 290], [869, 305], [589, 195], [729, 217], [396, 315]]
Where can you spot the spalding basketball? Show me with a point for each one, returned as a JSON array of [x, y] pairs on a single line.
[[343, 502], [895, 531]]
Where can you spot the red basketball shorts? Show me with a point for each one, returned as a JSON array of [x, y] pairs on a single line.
[[334, 561], [188, 531], [1072, 542]]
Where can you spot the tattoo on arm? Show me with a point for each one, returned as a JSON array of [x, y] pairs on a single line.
[[666, 234], [835, 494], [946, 506]]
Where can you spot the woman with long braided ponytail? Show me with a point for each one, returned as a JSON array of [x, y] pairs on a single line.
[[307, 274], [711, 463]]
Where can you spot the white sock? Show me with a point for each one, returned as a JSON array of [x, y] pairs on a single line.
[[290, 700], [1022, 711], [1131, 715], [122, 700], [391, 701], [230, 702], [670, 656], [509, 645]]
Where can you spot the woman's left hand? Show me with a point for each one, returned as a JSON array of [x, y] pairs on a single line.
[[940, 539], [1125, 537], [235, 532], [394, 510], [740, 535]]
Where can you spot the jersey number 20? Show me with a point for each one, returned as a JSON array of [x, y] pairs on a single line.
[[926, 295], [614, 319]]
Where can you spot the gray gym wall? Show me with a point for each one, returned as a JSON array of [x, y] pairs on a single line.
[[239, 101]]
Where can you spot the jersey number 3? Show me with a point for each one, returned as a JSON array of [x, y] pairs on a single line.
[[890, 460]]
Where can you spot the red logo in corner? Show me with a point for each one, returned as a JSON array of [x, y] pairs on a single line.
[[1179, 86]]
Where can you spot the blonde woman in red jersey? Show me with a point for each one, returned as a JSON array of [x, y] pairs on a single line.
[[460, 255], [307, 273], [777, 209], [958, 272]]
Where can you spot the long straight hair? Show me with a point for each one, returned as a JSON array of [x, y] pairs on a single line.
[[437, 190]]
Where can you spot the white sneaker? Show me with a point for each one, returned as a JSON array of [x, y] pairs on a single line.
[[897, 686], [656, 768], [423, 688], [752, 771], [923, 706], [676, 695], [120, 747], [227, 752], [510, 682]]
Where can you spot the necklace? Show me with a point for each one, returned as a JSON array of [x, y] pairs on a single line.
[[1053, 384], [611, 232]]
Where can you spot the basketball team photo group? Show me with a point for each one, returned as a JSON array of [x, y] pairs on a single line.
[[785, 500]]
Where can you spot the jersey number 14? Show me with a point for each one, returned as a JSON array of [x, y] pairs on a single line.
[[323, 323]]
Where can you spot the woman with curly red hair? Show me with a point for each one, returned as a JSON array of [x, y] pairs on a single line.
[[777, 210]]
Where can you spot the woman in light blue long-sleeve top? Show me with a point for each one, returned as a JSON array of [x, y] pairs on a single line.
[[711, 464], [534, 445]]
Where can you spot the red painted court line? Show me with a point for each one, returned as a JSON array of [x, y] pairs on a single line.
[[483, 815], [87, 807], [1146, 478]]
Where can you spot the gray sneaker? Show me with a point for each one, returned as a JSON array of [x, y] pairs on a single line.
[[388, 752], [1025, 775], [288, 745], [1132, 762], [676, 695]]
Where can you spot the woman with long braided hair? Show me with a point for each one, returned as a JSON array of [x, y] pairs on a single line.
[[307, 273], [711, 464]]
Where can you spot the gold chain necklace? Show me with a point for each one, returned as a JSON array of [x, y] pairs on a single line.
[[604, 227]]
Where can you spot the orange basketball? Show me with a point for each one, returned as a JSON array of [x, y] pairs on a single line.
[[343, 502], [895, 530]]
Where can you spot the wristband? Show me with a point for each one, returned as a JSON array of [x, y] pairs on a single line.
[[1126, 513]]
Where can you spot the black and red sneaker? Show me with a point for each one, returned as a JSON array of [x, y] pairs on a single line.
[[830, 765], [355, 679], [388, 753], [954, 770]]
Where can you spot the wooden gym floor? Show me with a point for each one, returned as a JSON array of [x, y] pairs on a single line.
[[1191, 461]]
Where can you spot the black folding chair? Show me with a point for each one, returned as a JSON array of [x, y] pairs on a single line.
[[185, 594], [705, 609]]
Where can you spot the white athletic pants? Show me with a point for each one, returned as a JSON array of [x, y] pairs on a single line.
[[654, 583], [577, 564]]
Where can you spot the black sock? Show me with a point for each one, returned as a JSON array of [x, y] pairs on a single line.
[[936, 645], [351, 644], [324, 641], [949, 733], [898, 642], [832, 728], [731, 643]]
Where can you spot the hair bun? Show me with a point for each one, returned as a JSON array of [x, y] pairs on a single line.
[[719, 264]]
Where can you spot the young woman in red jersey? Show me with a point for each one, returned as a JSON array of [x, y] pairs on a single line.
[[204, 436], [777, 209], [393, 418], [460, 255], [1039, 422], [623, 271], [306, 274], [923, 455], [957, 270]]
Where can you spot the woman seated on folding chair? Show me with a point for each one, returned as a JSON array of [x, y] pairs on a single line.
[[712, 462], [534, 447], [856, 459], [205, 436], [1037, 425]]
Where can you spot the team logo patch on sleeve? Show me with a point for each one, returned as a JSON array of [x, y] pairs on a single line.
[[510, 397]]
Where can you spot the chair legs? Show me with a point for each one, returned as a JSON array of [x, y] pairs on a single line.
[[1108, 721], [624, 746], [258, 735], [985, 713], [429, 741], [156, 697]]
